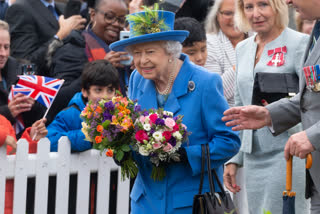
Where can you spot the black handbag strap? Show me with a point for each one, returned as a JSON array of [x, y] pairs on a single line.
[[205, 154], [212, 190], [202, 168]]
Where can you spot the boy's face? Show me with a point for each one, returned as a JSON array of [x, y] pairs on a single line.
[[96, 92], [197, 52]]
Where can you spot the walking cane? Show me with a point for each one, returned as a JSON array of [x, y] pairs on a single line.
[[288, 196]]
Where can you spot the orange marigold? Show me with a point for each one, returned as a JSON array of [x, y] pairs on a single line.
[[109, 153], [98, 139], [99, 128]]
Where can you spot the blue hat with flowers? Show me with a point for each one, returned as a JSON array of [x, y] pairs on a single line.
[[148, 26]]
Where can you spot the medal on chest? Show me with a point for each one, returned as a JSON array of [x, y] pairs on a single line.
[[277, 56], [312, 77]]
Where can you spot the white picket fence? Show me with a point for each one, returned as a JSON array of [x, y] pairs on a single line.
[[62, 163]]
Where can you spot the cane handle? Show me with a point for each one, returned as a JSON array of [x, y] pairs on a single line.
[[309, 161]]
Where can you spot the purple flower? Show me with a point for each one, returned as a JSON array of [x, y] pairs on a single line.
[[137, 108], [152, 131], [145, 113], [160, 122], [175, 118], [165, 116], [109, 106], [172, 141], [107, 116]]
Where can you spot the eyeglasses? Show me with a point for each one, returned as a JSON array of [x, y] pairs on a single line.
[[109, 17], [227, 14]]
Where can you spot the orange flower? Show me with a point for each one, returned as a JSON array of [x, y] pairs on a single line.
[[109, 153], [99, 109], [98, 139], [99, 128]]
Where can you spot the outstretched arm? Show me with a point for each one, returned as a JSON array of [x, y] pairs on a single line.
[[247, 117]]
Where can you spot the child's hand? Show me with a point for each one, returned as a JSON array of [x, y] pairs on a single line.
[[10, 141], [38, 129]]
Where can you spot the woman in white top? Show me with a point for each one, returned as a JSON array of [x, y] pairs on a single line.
[[222, 38]]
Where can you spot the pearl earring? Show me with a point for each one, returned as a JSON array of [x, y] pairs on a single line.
[[170, 60]]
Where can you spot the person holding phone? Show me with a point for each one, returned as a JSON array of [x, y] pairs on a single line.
[[67, 58]]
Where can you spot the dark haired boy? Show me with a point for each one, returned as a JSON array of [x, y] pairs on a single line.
[[195, 45], [99, 80]]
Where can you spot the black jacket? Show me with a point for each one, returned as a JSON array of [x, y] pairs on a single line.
[[32, 27]]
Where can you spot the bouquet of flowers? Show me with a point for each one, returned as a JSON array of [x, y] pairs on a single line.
[[159, 136], [108, 124]]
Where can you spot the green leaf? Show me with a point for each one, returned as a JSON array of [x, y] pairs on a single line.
[[125, 148], [119, 155], [106, 123]]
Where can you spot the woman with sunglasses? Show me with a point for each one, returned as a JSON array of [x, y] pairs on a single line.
[[67, 58]]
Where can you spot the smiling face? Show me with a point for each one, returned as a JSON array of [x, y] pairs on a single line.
[[225, 19], [260, 15], [4, 47], [102, 18], [151, 60], [197, 52]]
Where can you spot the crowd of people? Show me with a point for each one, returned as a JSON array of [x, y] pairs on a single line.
[[215, 70]]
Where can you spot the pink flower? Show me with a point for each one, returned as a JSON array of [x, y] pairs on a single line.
[[142, 118], [167, 148], [169, 122], [167, 135], [141, 136], [156, 145], [176, 128], [153, 118], [184, 126]]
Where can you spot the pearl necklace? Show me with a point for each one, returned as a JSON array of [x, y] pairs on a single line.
[[170, 81]]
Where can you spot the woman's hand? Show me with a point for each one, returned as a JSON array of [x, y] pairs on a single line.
[[229, 177], [10, 141], [115, 57], [38, 129], [19, 104]]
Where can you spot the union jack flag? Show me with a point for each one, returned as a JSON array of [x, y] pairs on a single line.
[[40, 88]]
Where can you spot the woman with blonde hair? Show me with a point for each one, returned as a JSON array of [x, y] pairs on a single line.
[[222, 38], [275, 49]]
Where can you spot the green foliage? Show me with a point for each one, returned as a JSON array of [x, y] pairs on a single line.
[[147, 22], [266, 212]]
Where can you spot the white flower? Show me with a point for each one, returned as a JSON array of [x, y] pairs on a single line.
[[157, 136], [177, 135], [85, 131], [143, 151], [147, 127], [147, 120], [168, 113]]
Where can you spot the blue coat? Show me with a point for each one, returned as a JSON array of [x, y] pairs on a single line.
[[68, 123], [202, 109]]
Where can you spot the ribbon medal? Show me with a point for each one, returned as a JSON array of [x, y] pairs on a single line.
[[312, 76], [277, 56]]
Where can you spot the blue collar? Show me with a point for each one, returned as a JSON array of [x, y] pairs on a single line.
[[46, 4]]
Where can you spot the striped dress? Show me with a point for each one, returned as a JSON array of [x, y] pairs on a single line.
[[221, 59]]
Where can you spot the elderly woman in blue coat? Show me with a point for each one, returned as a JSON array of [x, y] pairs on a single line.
[[165, 78]]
